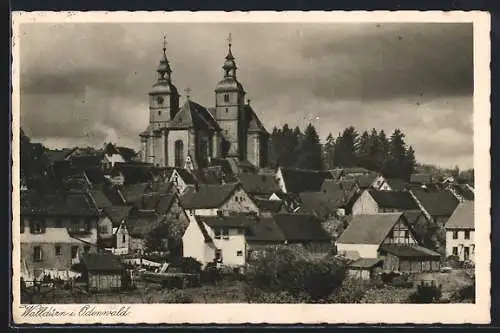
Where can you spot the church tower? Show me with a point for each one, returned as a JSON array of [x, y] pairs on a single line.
[[163, 98], [229, 102]]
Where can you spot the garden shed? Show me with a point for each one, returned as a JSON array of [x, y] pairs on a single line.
[[409, 259], [102, 271], [364, 268]]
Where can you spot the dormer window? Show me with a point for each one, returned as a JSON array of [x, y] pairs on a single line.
[[226, 98]]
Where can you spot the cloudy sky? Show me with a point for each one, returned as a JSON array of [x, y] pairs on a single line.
[[87, 83]]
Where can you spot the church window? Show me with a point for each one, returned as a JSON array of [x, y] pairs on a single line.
[[159, 112], [226, 97], [227, 110], [179, 153]]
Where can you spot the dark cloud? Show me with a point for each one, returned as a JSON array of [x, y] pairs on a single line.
[[85, 83]]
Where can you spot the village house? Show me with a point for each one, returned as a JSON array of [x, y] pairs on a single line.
[[293, 180], [113, 232], [56, 229], [374, 201], [437, 204], [270, 207], [141, 224], [233, 240], [213, 200], [372, 180], [396, 184], [389, 237], [460, 232]]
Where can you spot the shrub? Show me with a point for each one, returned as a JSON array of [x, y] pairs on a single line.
[[426, 294], [350, 291], [177, 296], [283, 271]]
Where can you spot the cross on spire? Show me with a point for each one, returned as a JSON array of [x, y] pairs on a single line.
[[188, 92], [164, 43]]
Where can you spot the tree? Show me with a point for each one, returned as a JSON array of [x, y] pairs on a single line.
[[309, 151], [328, 151], [395, 166], [364, 148], [409, 163], [345, 148]]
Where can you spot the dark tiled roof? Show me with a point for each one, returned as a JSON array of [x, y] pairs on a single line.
[[421, 178], [254, 124], [186, 176], [58, 204], [134, 193], [394, 199], [194, 115], [100, 198], [369, 228], [273, 206], [207, 196], [299, 180], [95, 175], [57, 155], [321, 204], [405, 251], [462, 217], [412, 216], [255, 183], [112, 193], [159, 202], [464, 191], [437, 202], [265, 230], [237, 221], [117, 213], [102, 262], [301, 227], [396, 184], [141, 222], [365, 181]]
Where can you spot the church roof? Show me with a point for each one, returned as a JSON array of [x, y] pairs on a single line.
[[254, 123], [194, 115], [228, 84], [164, 88]]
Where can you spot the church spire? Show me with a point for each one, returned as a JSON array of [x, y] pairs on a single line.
[[229, 65], [164, 71]]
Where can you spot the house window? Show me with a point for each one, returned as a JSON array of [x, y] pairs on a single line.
[[239, 253], [217, 233], [74, 252], [123, 238], [37, 253], [225, 233], [455, 234], [58, 250], [454, 251], [159, 112], [467, 234], [226, 97], [227, 110], [466, 253], [37, 227], [103, 229], [179, 153]]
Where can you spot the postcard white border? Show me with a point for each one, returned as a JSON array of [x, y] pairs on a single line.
[[289, 313]]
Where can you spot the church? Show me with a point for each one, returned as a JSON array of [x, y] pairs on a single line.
[[191, 135]]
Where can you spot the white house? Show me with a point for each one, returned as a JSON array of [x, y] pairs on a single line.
[[213, 200], [460, 232], [197, 242], [376, 201], [112, 229]]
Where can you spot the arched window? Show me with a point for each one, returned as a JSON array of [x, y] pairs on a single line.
[[179, 154]]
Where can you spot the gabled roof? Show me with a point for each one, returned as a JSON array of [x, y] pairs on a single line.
[[235, 221], [194, 115], [100, 198], [254, 124], [301, 180], [254, 183], [141, 222], [321, 204], [208, 196], [161, 202], [396, 184], [465, 191], [366, 180], [394, 199], [462, 217], [186, 176], [135, 172], [72, 203], [117, 214], [103, 262], [436, 202], [369, 228], [264, 230], [301, 227], [133, 193], [412, 216], [273, 206], [421, 178]]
